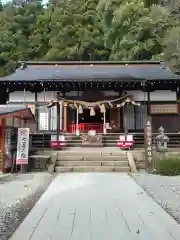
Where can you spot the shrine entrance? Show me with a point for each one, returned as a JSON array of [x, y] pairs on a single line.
[[102, 116], [85, 117], [93, 122]]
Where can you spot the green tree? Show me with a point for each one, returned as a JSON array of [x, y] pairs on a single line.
[[89, 30], [76, 32], [133, 31], [171, 53]]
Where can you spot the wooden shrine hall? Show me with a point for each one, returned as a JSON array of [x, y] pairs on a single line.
[[103, 96]]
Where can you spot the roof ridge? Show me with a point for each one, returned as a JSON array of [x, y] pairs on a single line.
[[89, 62]]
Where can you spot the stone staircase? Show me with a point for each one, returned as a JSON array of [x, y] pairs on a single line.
[[92, 160], [73, 140], [109, 140]]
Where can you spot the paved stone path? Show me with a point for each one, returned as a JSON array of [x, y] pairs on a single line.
[[96, 206]]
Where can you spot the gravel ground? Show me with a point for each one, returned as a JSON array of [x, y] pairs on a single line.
[[164, 190], [18, 194]]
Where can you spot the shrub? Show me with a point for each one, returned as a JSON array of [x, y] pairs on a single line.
[[169, 166]]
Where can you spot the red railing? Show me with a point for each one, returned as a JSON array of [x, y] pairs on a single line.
[[85, 127]]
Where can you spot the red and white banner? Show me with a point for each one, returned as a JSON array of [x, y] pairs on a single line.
[[22, 146]]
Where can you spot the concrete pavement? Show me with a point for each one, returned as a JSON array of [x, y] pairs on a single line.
[[96, 206]]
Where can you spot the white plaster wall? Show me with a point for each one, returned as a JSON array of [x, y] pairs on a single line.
[[46, 96], [19, 96], [154, 96], [76, 93], [163, 96], [26, 97], [138, 95], [50, 95]]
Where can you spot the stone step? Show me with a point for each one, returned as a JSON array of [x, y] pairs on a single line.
[[91, 158], [91, 163], [41, 157], [92, 169], [43, 152], [91, 152]]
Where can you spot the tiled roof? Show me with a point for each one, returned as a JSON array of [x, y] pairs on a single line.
[[13, 108], [6, 109], [84, 72]]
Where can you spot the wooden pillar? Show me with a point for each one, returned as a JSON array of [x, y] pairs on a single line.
[[36, 112], [58, 119], [65, 117], [3, 132], [118, 118], [148, 104], [58, 115], [135, 118], [121, 119], [61, 116], [178, 99]]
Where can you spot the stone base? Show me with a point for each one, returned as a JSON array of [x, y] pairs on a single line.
[[92, 141], [39, 162]]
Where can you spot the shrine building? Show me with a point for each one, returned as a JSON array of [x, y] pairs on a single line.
[[103, 96]]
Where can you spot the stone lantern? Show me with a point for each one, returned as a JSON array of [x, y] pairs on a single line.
[[161, 141]]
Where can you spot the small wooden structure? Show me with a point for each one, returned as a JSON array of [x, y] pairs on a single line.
[[11, 118]]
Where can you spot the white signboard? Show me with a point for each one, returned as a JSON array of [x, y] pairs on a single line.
[[22, 146], [44, 121]]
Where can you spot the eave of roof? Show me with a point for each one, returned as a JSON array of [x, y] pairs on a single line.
[[91, 71], [141, 62]]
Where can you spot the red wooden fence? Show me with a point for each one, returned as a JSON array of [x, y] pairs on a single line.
[[85, 127]]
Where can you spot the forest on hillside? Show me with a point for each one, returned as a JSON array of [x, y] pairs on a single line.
[[68, 30]]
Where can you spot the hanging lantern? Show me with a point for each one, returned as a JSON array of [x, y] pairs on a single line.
[[80, 109], [102, 108], [92, 112]]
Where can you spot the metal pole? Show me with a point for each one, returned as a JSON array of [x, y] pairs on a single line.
[[104, 122], [77, 122]]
